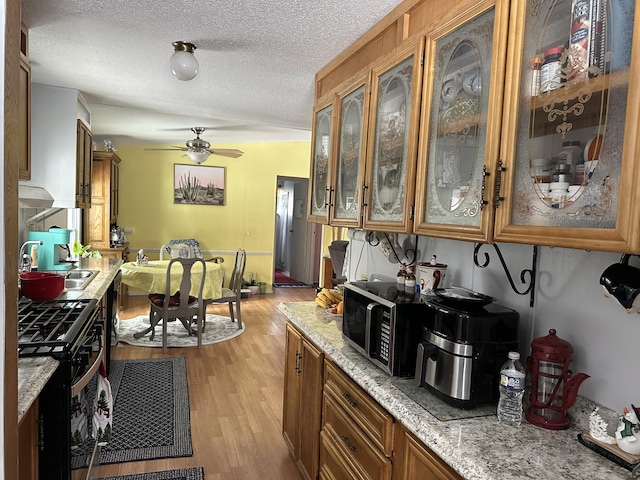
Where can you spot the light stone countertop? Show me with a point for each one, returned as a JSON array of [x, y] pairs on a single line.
[[35, 372], [477, 448]]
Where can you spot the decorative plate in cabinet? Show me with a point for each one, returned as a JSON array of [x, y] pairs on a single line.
[[461, 115], [392, 144], [578, 126]]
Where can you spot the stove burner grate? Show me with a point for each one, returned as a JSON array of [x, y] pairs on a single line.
[[50, 328]]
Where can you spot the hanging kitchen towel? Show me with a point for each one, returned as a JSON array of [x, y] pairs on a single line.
[[79, 423], [102, 409]]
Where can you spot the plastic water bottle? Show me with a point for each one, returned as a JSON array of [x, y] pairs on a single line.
[[512, 380]]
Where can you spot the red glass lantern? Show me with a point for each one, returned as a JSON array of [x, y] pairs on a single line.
[[553, 387]]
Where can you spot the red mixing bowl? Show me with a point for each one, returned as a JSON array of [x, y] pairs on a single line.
[[41, 286]]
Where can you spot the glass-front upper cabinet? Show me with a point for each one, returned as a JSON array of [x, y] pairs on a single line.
[[392, 143], [320, 191], [352, 109], [570, 138], [460, 126]]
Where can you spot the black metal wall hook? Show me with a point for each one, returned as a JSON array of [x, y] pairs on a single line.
[[530, 272]]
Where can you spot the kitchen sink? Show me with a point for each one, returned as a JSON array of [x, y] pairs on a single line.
[[76, 279]]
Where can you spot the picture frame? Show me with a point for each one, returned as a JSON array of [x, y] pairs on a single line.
[[199, 185]]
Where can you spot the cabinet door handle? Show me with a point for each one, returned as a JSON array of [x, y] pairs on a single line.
[[349, 400], [364, 195], [346, 441], [501, 169], [485, 174], [298, 358], [328, 197]]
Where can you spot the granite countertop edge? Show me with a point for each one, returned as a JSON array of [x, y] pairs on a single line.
[[477, 448], [35, 372]]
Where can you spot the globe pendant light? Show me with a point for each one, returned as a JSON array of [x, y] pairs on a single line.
[[183, 63], [198, 157]]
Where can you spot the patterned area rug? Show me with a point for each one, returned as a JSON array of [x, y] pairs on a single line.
[[217, 329], [182, 474], [151, 416]]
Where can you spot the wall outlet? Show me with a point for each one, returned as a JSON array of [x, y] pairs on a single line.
[[127, 230]]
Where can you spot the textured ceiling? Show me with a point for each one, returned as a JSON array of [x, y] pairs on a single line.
[[257, 63]]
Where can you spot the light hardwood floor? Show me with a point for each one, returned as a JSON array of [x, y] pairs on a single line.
[[235, 394]]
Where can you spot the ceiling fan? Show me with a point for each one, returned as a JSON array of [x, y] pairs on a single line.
[[198, 150]]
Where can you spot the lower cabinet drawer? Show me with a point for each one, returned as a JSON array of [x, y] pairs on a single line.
[[371, 417], [353, 446], [332, 464]]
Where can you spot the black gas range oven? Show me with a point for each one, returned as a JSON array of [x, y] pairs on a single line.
[[72, 332]]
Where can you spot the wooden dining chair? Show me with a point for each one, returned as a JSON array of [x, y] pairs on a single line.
[[180, 305], [233, 293]]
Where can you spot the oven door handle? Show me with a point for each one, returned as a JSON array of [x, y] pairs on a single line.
[[84, 380]]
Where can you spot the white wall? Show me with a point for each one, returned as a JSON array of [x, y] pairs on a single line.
[[568, 297]]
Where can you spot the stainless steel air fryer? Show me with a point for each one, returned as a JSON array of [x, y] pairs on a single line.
[[462, 349]]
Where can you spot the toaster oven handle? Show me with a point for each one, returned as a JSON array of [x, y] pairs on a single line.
[[426, 350]]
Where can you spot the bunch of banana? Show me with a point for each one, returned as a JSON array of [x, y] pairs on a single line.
[[328, 298]]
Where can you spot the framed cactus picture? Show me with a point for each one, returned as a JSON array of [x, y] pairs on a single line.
[[198, 185]]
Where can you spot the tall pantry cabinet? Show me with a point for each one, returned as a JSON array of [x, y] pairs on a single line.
[[104, 201]]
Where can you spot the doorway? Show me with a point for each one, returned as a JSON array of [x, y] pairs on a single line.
[[296, 249]]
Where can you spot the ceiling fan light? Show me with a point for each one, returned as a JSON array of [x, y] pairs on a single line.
[[183, 63], [198, 157]]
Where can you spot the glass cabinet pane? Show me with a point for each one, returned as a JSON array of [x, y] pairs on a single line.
[[347, 204], [392, 146], [392, 135], [319, 188], [569, 143], [451, 164]]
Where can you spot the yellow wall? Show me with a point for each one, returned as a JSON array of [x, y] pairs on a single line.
[[247, 220]]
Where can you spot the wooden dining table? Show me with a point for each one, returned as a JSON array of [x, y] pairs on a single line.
[[152, 277]]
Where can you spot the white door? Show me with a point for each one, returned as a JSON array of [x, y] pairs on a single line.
[[301, 236]]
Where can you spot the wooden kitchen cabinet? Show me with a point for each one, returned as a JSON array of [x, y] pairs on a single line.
[[322, 155], [595, 101], [412, 460], [83, 167], [357, 434], [460, 125], [365, 142], [352, 115], [482, 127], [24, 97], [104, 200], [28, 443], [302, 401], [591, 209], [392, 140]]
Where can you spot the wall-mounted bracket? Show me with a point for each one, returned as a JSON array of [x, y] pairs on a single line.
[[527, 272]]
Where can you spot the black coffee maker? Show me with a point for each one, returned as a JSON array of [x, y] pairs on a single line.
[[462, 348]]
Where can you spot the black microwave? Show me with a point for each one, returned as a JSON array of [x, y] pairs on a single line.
[[384, 323]]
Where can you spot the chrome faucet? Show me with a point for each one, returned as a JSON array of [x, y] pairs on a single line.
[[25, 259]]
